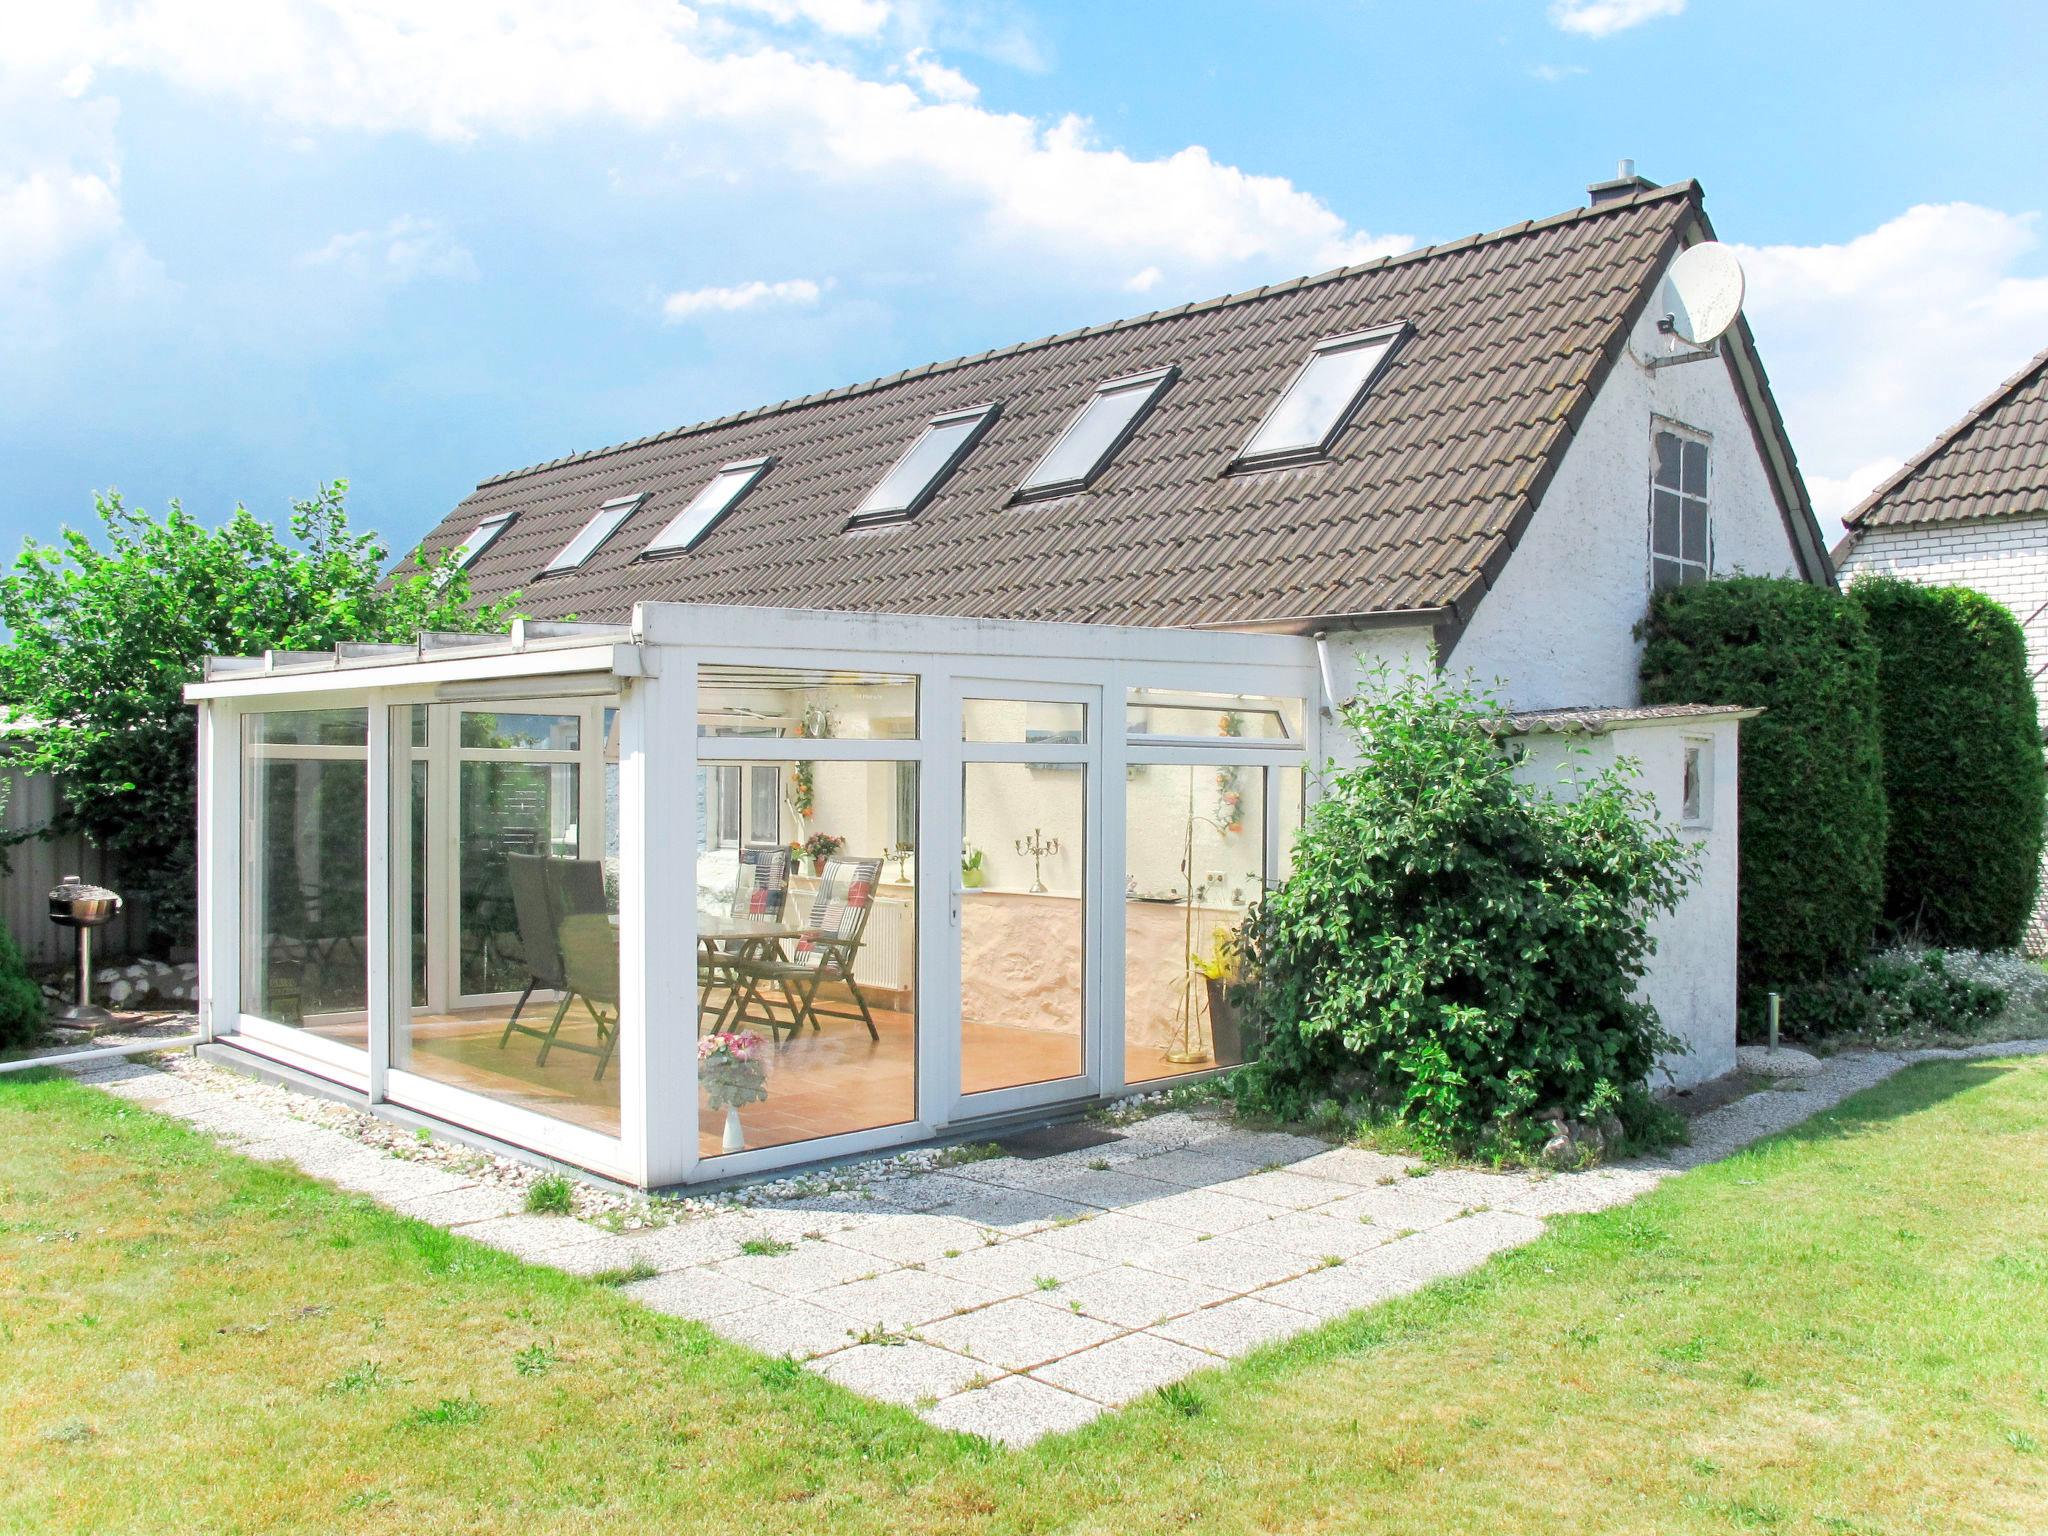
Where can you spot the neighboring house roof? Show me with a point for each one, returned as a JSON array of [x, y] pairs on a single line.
[[1413, 513], [1992, 463]]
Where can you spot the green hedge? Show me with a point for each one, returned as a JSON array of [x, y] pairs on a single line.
[[1963, 777], [1812, 790], [22, 1013]]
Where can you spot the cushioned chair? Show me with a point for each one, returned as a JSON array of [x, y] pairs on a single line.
[[825, 951], [590, 975], [761, 891], [546, 892]]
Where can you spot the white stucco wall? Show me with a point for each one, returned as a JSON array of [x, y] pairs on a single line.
[[1692, 975], [2004, 558], [1556, 631]]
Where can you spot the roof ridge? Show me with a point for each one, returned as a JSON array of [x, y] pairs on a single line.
[[1945, 440], [1687, 188]]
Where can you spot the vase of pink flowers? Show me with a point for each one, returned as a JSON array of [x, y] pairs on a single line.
[[734, 1072]]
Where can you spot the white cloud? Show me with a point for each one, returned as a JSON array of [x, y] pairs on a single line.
[[1552, 74], [692, 302], [841, 18], [936, 80], [1878, 343], [459, 70], [1144, 280], [47, 215], [405, 249], [1603, 18]]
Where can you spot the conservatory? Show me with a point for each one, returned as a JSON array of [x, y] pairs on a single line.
[[728, 889]]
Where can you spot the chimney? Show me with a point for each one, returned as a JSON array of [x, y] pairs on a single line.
[[1626, 183]]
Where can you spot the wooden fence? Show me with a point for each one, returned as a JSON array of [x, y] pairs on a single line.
[[35, 866]]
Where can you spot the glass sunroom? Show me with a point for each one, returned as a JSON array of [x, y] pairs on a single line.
[[947, 873]]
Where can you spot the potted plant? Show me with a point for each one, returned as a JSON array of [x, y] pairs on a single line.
[[733, 1072], [1221, 970], [819, 847], [971, 872]]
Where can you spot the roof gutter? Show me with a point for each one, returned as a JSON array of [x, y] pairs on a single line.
[[1317, 625]]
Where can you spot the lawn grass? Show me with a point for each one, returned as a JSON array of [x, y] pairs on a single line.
[[1844, 1330]]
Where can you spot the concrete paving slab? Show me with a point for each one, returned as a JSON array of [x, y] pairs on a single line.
[[1237, 1327], [1131, 1297], [1124, 1369], [1018, 1333], [914, 1374], [903, 1299], [1015, 1411]]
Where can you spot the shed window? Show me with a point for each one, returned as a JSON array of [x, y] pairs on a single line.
[[1681, 538], [718, 497], [1095, 435], [602, 525], [1323, 398], [1696, 793], [916, 477]]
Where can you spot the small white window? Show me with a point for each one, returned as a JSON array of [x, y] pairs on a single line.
[[916, 477], [479, 540], [602, 525], [1083, 450], [718, 497], [1323, 397], [1696, 794], [1681, 537]]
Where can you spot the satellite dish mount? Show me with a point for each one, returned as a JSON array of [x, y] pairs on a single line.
[[1702, 298]]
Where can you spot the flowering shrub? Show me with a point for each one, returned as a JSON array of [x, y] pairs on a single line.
[[732, 1069], [1455, 947]]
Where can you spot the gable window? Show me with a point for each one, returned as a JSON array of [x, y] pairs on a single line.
[[1094, 437], [1696, 793], [1681, 540], [916, 477], [480, 539], [602, 525], [1322, 398], [718, 497]]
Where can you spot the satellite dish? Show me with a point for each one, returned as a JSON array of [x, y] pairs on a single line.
[[1702, 293]]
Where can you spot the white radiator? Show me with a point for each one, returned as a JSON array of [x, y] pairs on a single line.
[[887, 955]]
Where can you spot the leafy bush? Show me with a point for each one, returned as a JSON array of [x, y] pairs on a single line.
[[22, 1013], [102, 640], [1963, 779], [1910, 991], [1812, 789], [1456, 946]]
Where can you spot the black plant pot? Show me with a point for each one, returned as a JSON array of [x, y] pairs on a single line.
[[1226, 1032]]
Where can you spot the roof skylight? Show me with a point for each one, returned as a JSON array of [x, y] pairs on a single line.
[[718, 497], [480, 537], [916, 477], [602, 525], [1322, 397], [1095, 435]]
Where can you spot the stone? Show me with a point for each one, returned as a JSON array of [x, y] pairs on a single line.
[[1124, 1369], [1785, 1061], [1015, 1411], [1019, 1333]]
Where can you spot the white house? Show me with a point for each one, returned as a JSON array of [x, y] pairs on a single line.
[[1046, 639]]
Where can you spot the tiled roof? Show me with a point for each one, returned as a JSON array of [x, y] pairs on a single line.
[[1596, 721], [1416, 508], [1992, 463]]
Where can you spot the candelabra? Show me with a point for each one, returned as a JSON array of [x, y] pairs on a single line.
[[1041, 848]]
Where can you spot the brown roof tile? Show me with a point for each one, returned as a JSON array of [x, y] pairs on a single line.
[[1420, 499], [1992, 463]]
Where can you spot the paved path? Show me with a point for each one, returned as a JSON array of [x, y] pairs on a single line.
[[1013, 1298]]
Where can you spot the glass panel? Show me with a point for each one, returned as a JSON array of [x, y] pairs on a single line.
[[782, 701], [1695, 469], [1022, 923], [305, 903], [1664, 523], [1211, 716], [1080, 451], [593, 534], [412, 720], [1195, 864], [479, 540], [1667, 472], [514, 948], [517, 732], [1694, 520], [1665, 573], [308, 728], [1689, 802], [807, 970], [1023, 721], [1318, 400], [763, 823], [707, 506], [1290, 788], [918, 472]]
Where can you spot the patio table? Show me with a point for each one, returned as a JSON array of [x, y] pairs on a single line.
[[754, 938]]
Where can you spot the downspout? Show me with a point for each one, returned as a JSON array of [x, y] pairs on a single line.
[[1327, 709]]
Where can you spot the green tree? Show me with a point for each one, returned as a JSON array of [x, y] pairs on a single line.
[[1812, 787], [105, 634], [1963, 779], [1463, 946]]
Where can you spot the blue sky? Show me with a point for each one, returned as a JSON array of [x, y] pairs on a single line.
[[247, 246]]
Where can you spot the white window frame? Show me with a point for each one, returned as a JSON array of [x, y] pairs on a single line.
[[606, 521], [1153, 384], [1390, 337], [1696, 765], [673, 540], [1690, 572], [868, 514]]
